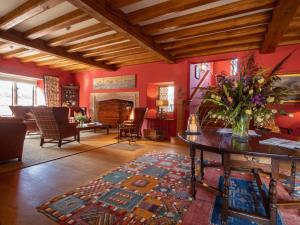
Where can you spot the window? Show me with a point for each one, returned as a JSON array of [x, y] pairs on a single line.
[[167, 93], [6, 97], [234, 67], [15, 92]]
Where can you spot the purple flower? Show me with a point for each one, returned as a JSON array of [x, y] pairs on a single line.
[[258, 99]]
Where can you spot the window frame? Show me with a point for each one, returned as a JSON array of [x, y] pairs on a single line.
[[172, 108], [14, 88]]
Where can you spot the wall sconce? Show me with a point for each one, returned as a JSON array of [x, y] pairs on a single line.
[[193, 126]]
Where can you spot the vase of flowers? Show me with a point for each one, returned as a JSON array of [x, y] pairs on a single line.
[[245, 97], [81, 119]]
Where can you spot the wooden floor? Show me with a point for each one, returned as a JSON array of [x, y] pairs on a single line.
[[22, 191]]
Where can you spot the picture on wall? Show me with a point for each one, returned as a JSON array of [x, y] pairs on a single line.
[[292, 83], [119, 82]]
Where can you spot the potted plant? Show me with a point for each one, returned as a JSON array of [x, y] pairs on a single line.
[[246, 97], [81, 119]]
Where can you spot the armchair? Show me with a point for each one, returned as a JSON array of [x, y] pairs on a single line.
[[53, 123], [133, 128], [12, 135]]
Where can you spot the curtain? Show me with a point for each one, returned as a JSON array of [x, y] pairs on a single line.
[[51, 85]]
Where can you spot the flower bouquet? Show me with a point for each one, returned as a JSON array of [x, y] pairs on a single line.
[[245, 97]]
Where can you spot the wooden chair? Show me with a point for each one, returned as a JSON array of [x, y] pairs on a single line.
[[132, 129], [53, 123]]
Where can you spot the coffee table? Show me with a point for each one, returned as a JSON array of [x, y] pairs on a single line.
[[93, 126]]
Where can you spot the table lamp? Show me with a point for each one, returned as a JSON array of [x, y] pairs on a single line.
[[160, 103]]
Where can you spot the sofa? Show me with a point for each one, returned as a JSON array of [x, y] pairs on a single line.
[[26, 114], [12, 135]]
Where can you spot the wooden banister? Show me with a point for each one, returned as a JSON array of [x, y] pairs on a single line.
[[198, 86]]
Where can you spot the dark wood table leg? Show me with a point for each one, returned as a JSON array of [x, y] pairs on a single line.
[[293, 177], [107, 131], [201, 165], [225, 194], [273, 191], [193, 175]]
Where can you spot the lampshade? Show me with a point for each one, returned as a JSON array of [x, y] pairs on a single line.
[[161, 102]]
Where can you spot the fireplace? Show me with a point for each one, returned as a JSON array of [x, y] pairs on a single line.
[[114, 111], [113, 108]]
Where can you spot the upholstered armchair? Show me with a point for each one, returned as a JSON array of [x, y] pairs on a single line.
[[12, 135], [133, 128], [54, 125], [25, 113]]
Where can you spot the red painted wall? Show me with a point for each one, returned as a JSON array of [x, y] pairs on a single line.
[[180, 74], [16, 67], [222, 67]]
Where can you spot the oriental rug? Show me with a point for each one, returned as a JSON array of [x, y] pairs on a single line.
[[154, 190]]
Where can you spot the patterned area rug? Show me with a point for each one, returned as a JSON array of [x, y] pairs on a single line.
[[150, 190]]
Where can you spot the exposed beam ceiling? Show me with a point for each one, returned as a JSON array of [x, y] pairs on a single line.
[[79, 34], [118, 21], [26, 11], [40, 45], [170, 6], [59, 23], [282, 16]]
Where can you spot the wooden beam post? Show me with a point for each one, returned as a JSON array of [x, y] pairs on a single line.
[[282, 16], [100, 10], [40, 45]]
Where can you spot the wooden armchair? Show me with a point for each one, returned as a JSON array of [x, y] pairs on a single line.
[[133, 128], [53, 123]]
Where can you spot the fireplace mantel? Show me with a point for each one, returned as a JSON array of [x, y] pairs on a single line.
[[96, 97]]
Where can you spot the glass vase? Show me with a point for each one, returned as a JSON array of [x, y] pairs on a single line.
[[240, 128]]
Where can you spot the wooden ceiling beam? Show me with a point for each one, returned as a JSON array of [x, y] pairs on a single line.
[[135, 62], [111, 48], [119, 22], [243, 6], [33, 57], [283, 14], [51, 62], [121, 59], [17, 37], [79, 34], [61, 22], [244, 32], [95, 42], [214, 51], [119, 54], [230, 24], [14, 53], [218, 44], [26, 11], [163, 8]]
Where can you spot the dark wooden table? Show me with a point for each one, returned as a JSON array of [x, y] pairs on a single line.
[[212, 141], [93, 126]]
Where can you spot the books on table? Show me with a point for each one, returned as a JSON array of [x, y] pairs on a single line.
[[229, 131], [285, 143]]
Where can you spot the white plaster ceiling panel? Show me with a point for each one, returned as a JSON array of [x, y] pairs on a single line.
[[140, 5], [72, 28], [46, 16], [7, 6]]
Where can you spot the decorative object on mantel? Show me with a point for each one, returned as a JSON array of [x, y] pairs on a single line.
[[193, 126], [160, 104], [118, 82], [245, 97], [51, 86]]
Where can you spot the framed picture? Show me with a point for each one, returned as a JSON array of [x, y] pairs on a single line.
[[292, 83], [200, 69], [118, 82]]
